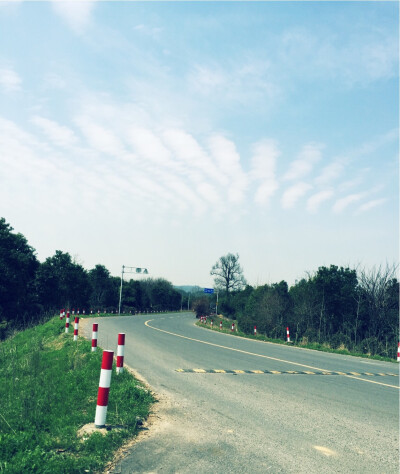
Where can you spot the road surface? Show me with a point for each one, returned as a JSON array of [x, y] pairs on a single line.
[[234, 405]]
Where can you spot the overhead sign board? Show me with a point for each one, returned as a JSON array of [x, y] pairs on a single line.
[[141, 270], [208, 290]]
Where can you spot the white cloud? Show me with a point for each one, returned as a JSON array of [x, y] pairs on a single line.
[[101, 138], [341, 204], [228, 163], [10, 81], [308, 157], [293, 194], [329, 173], [206, 79], [58, 134], [263, 165], [371, 204], [317, 199], [76, 13]]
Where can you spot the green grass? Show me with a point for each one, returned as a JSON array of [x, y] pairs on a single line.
[[48, 391], [227, 325]]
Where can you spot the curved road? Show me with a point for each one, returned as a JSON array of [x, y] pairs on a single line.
[[236, 405]]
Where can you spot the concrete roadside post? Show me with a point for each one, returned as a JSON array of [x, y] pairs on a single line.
[[120, 353], [104, 389], [94, 336], [76, 328]]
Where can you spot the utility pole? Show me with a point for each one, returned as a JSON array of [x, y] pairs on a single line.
[[120, 290]]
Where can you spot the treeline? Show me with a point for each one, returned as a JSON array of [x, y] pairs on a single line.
[[29, 288], [336, 306]]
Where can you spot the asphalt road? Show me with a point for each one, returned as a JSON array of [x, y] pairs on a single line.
[[236, 421]]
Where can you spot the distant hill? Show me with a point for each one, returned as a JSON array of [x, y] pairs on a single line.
[[190, 289]]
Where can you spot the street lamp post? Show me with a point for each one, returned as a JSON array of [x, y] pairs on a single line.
[[130, 270]]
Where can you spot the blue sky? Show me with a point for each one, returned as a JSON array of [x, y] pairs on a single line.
[[166, 134]]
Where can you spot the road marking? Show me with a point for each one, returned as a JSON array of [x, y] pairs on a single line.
[[372, 381], [276, 372], [260, 355]]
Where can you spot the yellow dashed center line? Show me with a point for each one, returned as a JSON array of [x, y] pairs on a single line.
[[263, 356]]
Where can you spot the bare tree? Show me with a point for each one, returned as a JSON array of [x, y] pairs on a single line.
[[374, 285], [228, 273]]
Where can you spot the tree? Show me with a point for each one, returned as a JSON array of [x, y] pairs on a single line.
[[60, 282], [101, 287], [228, 273], [18, 265], [201, 306]]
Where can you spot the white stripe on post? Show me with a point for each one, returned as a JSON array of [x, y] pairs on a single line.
[[104, 389], [120, 353], [76, 328], [287, 334], [94, 336]]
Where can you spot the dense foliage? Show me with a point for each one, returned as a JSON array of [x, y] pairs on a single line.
[[29, 288], [339, 307]]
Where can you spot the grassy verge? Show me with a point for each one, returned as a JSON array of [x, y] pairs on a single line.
[[227, 325], [48, 391]]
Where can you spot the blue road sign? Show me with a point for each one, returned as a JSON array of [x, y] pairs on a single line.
[[208, 290]]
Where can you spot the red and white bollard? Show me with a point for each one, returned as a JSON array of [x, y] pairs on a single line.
[[120, 353], [67, 323], [212, 324], [287, 335], [220, 325], [76, 328], [233, 327], [255, 330], [104, 389], [73, 312], [98, 311], [61, 313], [83, 312], [94, 336], [77, 311], [398, 352]]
